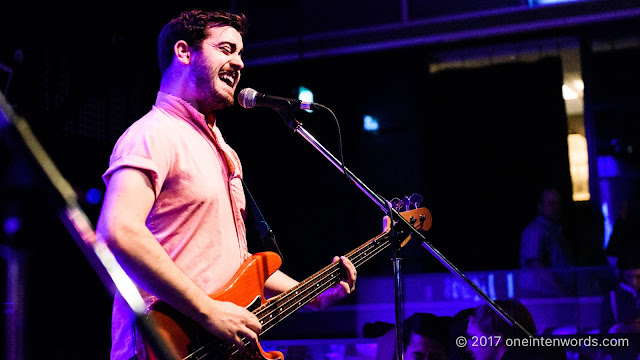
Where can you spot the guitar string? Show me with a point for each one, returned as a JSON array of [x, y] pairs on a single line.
[[332, 270], [320, 281], [355, 256], [309, 283], [359, 258]]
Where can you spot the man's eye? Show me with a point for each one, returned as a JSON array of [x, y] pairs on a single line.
[[225, 48]]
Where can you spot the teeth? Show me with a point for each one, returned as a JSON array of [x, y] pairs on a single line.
[[228, 79]]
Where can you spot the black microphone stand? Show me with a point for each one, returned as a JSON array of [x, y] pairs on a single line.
[[405, 226], [81, 229]]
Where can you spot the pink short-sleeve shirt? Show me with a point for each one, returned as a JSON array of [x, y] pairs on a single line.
[[198, 214]]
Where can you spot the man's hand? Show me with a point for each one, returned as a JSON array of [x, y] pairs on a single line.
[[231, 322], [337, 292]]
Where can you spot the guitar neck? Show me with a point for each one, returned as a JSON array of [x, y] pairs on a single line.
[[285, 304]]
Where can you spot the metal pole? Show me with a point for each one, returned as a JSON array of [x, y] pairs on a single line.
[[399, 300], [14, 304]]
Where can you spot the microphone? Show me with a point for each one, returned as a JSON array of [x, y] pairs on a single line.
[[248, 98]]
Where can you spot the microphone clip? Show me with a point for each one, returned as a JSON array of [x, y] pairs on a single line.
[[289, 118]]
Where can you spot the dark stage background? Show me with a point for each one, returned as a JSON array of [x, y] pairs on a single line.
[[475, 143]]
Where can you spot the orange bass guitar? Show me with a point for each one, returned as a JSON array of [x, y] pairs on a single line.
[[246, 288]]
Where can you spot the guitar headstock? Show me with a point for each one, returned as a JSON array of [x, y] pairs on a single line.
[[407, 202], [418, 217]]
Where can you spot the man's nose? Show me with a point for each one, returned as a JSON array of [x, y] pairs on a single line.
[[237, 62]]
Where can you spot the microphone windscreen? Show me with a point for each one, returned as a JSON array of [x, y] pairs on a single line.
[[247, 98]]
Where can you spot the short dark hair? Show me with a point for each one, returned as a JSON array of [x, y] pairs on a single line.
[[428, 325], [191, 26]]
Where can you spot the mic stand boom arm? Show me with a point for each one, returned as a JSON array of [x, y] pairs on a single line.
[[297, 127]]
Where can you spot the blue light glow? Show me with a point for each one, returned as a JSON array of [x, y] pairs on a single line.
[[549, 2], [608, 224], [305, 94], [370, 124], [93, 196], [12, 224], [491, 287], [510, 292]]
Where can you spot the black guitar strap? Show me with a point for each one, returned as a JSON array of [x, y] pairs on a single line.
[[259, 224]]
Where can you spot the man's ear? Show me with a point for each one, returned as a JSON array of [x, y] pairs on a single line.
[[182, 51]]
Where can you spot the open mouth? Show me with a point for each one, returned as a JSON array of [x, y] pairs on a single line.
[[228, 78]]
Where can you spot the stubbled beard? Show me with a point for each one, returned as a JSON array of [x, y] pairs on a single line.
[[205, 79]]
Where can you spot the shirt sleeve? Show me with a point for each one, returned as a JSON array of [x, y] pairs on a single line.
[[144, 146]]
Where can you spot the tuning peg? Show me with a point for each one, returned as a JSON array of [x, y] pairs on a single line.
[[415, 200], [407, 203], [397, 204]]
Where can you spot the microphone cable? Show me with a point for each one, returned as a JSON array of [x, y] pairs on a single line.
[[339, 133]]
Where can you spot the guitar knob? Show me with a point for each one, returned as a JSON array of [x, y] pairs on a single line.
[[412, 220]]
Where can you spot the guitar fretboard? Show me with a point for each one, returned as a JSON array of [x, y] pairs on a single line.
[[285, 304]]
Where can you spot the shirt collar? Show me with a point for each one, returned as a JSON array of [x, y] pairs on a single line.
[[182, 109]]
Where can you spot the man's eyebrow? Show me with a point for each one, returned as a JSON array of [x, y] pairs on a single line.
[[233, 45]]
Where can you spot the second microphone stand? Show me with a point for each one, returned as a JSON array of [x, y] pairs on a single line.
[[77, 222], [404, 226]]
